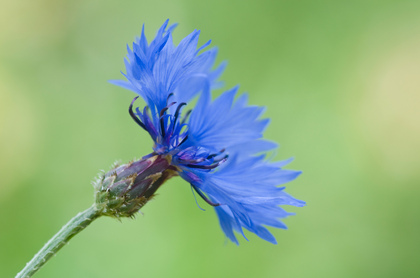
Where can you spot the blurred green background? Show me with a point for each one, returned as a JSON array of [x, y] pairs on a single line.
[[340, 80]]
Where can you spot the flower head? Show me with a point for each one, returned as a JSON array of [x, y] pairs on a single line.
[[217, 146]]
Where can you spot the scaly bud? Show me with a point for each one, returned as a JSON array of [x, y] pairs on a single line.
[[125, 189]]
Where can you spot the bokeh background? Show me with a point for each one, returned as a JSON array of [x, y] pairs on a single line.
[[340, 80]]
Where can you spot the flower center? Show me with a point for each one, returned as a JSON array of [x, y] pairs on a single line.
[[170, 136], [166, 130]]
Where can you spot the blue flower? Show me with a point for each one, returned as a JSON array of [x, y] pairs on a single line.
[[216, 146]]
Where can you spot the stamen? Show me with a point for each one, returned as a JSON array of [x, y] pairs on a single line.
[[135, 118], [183, 140], [178, 109], [204, 196], [169, 96], [193, 161], [207, 167], [166, 108], [212, 156], [224, 159], [186, 116], [162, 123]]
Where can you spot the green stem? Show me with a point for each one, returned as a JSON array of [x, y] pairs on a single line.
[[73, 227]]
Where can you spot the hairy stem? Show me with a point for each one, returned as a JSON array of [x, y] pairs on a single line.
[[73, 227]]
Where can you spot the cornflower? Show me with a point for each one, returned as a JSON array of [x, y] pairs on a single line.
[[217, 146]]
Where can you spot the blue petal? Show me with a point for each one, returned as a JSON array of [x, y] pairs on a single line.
[[248, 189], [157, 69], [125, 84]]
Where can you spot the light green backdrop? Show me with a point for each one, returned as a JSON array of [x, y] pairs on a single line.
[[340, 80]]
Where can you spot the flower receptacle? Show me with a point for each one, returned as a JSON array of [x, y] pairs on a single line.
[[125, 189]]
